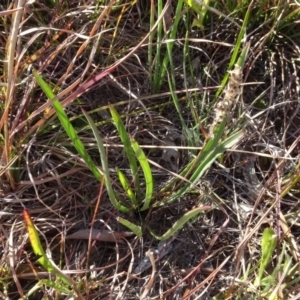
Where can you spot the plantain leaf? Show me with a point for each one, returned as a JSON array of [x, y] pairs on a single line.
[[64, 120], [180, 223], [128, 150], [146, 170], [108, 183], [126, 187], [211, 151], [137, 230]]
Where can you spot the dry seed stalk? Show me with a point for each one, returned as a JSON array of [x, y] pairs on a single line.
[[231, 95]]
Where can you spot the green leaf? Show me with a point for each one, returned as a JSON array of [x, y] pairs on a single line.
[[37, 287], [128, 150], [243, 57], [200, 10], [236, 50], [268, 245], [38, 250], [180, 223], [64, 120], [126, 187], [108, 183], [146, 170], [163, 67], [158, 70], [205, 159], [36, 243], [137, 230], [57, 286]]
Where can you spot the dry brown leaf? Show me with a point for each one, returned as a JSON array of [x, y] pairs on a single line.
[[99, 235]]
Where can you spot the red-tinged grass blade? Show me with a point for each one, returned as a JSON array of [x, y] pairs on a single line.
[[38, 250], [180, 223], [63, 118], [83, 88], [36, 243]]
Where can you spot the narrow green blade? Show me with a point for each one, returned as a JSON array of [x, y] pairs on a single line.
[[128, 150], [68, 126], [180, 223], [146, 170], [102, 151]]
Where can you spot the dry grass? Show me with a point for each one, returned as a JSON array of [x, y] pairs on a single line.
[[252, 187]]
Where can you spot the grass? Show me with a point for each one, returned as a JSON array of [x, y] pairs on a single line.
[[150, 150]]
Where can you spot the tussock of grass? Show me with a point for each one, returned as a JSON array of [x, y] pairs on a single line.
[[223, 195]]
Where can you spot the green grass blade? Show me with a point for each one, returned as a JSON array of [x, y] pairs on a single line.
[[292, 182], [171, 42], [172, 86], [243, 57], [193, 101], [102, 151], [151, 44], [287, 267], [137, 230], [64, 120], [180, 223], [171, 80], [55, 285], [168, 60], [215, 140], [236, 51], [200, 10], [240, 38], [146, 170], [206, 158], [124, 182], [207, 161], [159, 34], [127, 148]]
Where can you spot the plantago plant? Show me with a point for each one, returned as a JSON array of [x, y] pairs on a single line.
[[149, 141], [214, 147]]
